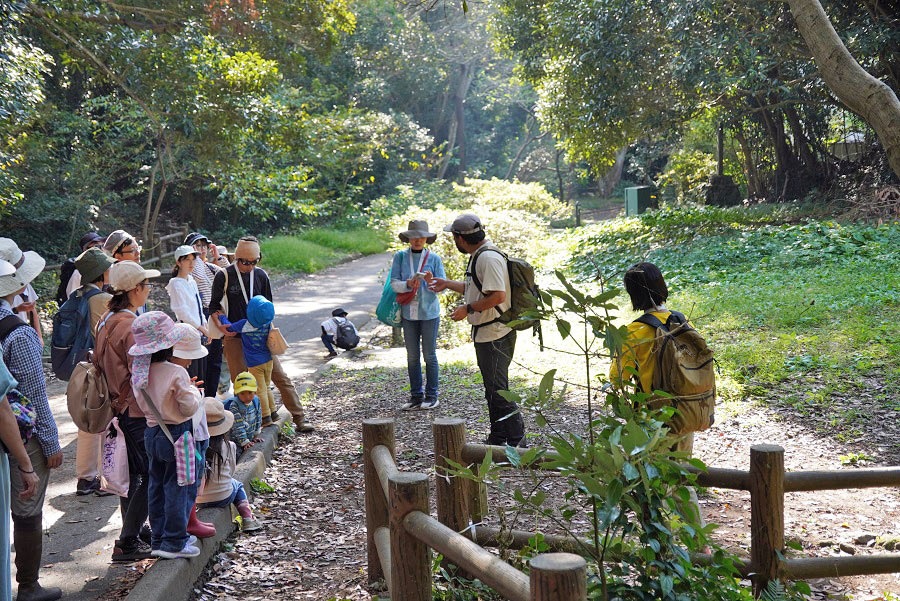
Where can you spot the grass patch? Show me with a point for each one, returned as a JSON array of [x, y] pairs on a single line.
[[361, 240], [319, 248]]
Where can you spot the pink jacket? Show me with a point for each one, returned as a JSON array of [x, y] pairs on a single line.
[[171, 390]]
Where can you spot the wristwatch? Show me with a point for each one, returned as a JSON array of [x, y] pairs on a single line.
[[469, 309]]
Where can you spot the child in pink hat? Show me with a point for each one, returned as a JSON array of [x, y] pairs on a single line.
[[169, 399]]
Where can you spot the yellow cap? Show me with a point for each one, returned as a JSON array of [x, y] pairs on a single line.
[[244, 382]]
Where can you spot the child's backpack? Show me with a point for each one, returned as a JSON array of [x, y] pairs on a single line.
[[346, 337], [72, 337], [524, 291], [24, 412], [685, 369]]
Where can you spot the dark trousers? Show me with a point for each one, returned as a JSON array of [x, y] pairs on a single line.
[[170, 504], [213, 368], [134, 506], [507, 425]]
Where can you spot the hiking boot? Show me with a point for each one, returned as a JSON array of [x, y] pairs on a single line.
[[429, 404], [146, 534], [87, 487], [35, 592], [127, 551], [304, 427], [186, 552], [413, 404], [250, 525]]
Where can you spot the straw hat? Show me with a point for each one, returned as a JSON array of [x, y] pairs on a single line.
[[126, 275], [218, 419], [27, 264], [191, 345], [418, 228]]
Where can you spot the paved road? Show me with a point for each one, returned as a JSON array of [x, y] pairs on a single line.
[[81, 530]]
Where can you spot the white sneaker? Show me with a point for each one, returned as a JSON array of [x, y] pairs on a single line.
[[186, 552], [412, 405], [429, 404]]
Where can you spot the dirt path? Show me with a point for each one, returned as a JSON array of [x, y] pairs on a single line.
[[314, 547], [81, 530]]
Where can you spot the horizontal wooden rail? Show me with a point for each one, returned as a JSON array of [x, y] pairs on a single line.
[[834, 567], [482, 564], [841, 479], [487, 536], [175, 236], [383, 544], [717, 477], [384, 466]]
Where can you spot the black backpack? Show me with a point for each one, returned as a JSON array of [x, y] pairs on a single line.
[[72, 337], [346, 337], [65, 274], [523, 289]]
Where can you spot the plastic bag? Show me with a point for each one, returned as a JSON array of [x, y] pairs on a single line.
[[388, 310], [114, 461]]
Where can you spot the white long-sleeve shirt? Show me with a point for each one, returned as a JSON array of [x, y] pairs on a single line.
[[187, 305]]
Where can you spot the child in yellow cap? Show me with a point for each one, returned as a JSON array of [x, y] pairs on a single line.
[[245, 407]]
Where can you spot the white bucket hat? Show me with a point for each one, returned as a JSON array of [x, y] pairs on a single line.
[[27, 265], [191, 344]]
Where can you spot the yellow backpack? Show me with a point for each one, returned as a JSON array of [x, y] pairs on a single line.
[[684, 369]]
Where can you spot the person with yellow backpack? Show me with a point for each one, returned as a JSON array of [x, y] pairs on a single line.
[[669, 356]]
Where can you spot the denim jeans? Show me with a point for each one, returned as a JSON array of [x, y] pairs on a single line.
[[237, 496], [169, 504], [422, 334], [493, 361]]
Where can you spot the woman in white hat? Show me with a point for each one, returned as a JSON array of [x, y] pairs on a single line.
[[22, 355], [131, 288], [187, 304]]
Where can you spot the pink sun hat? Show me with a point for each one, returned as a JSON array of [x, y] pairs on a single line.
[[153, 331]]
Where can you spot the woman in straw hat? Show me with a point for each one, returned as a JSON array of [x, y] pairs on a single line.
[[412, 272], [22, 355]]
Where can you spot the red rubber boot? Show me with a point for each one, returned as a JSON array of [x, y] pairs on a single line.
[[198, 528]]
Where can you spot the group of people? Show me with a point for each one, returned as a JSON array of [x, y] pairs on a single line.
[[163, 380]]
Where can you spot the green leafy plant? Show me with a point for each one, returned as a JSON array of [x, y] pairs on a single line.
[[261, 486]]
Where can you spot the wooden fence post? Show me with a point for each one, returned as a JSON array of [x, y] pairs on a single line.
[[452, 492], [375, 432], [410, 558], [766, 513], [558, 577]]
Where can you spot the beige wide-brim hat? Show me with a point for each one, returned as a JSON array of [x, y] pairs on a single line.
[[218, 419], [126, 275], [418, 229], [28, 266], [191, 344]]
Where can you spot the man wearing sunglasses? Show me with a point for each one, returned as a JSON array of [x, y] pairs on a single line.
[[236, 285]]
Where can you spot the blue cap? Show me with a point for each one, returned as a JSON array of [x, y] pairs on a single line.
[[260, 311]]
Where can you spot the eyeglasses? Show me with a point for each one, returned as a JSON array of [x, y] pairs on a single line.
[[201, 246], [247, 263]]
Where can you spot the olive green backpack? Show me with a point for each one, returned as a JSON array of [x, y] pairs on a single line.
[[685, 369]]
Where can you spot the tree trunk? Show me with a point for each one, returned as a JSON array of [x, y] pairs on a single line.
[[529, 138], [754, 188], [867, 96], [466, 73], [807, 157], [559, 177], [608, 182], [148, 211]]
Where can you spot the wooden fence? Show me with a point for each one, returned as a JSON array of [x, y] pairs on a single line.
[[400, 532], [157, 249]]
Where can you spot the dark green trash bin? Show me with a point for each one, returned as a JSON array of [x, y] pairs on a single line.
[[638, 199]]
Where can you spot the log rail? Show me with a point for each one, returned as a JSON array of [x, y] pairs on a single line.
[[401, 532]]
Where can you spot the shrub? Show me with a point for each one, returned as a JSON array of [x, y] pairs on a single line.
[[686, 175]]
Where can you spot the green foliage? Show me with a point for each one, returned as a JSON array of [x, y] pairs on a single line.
[[361, 240], [686, 174], [260, 486]]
